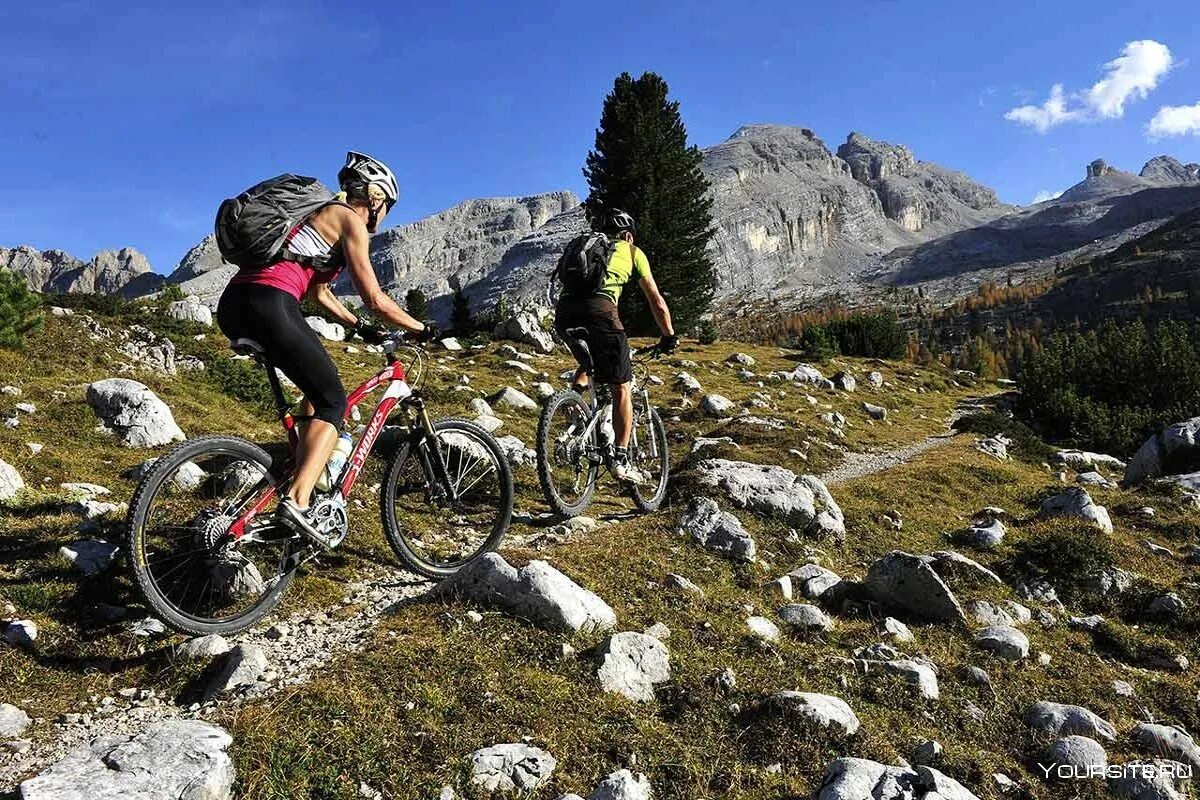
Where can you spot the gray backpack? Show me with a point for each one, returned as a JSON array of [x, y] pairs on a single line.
[[252, 228]]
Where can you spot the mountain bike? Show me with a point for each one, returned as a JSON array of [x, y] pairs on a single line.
[[574, 439], [207, 555]]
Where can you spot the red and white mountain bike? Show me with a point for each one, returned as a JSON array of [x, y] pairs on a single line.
[[208, 557]]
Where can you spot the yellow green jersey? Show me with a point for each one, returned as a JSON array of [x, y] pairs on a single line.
[[626, 262]]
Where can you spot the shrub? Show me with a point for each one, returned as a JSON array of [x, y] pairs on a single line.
[[866, 334], [1110, 388], [243, 380], [460, 313], [1063, 555], [19, 310], [170, 294], [416, 304], [706, 331], [1026, 444]]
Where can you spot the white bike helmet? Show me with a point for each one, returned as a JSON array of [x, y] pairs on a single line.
[[619, 221], [362, 171]]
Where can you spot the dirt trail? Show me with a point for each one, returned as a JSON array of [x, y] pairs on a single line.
[[859, 465]]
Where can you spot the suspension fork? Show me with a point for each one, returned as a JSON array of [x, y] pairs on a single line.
[[435, 465]]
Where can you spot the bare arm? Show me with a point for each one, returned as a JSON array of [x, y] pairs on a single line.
[[658, 306], [355, 240], [322, 295]]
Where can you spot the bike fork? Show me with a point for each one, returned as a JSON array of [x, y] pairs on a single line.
[[437, 464]]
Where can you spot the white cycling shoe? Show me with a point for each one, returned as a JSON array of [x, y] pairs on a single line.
[[296, 518], [628, 473]]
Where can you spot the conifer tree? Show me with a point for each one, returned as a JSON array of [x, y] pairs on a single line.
[[642, 164], [19, 310]]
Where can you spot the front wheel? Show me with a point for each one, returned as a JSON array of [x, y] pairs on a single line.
[[436, 523], [566, 458], [648, 452], [191, 570]]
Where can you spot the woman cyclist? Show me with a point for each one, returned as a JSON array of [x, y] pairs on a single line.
[[263, 304]]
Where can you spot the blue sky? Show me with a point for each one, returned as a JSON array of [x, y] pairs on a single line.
[[127, 123]]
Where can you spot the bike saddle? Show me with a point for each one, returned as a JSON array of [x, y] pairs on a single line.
[[247, 347]]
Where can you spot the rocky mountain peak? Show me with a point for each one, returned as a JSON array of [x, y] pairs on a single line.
[[1168, 169], [109, 271], [870, 160], [1099, 168]]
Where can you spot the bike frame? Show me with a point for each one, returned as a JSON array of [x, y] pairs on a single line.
[[398, 392]]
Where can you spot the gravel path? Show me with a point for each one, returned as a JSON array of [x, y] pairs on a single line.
[[313, 639], [859, 465]]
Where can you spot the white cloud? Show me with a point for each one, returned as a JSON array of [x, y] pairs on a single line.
[[1130, 76], [1175, 121], [1046, 116], [1044, 195]]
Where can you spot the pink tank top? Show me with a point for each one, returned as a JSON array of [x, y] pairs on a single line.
[[290, 276]]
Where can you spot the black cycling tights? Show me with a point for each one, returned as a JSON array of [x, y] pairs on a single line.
[[272, 318]]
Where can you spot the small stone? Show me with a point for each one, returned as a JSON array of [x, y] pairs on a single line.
[[659, 631], [803, 617], [763, 628], [929, 752], [1003, 640], [897, 630], [682, 584], [13, 721]]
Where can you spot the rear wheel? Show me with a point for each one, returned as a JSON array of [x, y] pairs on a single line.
[[192, 572], [566, 469], [433, 534], [648, 452]]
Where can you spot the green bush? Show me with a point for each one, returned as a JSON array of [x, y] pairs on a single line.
[[1064, 556], [874, 334], [109, 305], [242, 380], [706, 331], [1026, 444], [171, 293], [416, 304], [1110, 388], [20, 310]]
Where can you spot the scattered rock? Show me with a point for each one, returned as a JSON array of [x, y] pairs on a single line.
[[202, 648], [928, 753], [1003, 640], [1161, 740], [719, 406], [240, 667], [909, 583], [1071, 756], [741, 358], [451, 344], [1082, 461], [985, 532], [897, 630], [1156, 779], [875, 412], [1057, 719], [810, 709], [89, 556], [10, 481], [631, 665], [717, 530], [190, 309], [813, 581], [1167, 605], [1076, 502], [875, 379], [1151, 459], [994, 446], [525, 327], [763, 628], [330, 331], [511, 768], [802, 502], [682, 584], [513, 398], [687, 384], [515, 451], [184, 759], [13, 721], [19, 632], [537, 592], [805, 618], [134, 413], [622, 785]]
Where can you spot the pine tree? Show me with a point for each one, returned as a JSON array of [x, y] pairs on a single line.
[[416, 303], [460, 313], [19, 310], [642, 164]]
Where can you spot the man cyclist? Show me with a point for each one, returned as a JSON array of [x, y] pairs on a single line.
[[606, 338], [263, 304]]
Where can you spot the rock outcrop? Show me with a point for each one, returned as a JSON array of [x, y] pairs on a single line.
[[134, 413], [124, 271]]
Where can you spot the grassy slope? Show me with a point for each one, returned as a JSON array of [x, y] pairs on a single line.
[[431, 687]]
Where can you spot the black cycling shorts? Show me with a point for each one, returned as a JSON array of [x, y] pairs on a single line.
[[272, 317], [605, 337]]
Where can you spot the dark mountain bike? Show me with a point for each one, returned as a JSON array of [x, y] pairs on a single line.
[[574, 439], [208, 557]]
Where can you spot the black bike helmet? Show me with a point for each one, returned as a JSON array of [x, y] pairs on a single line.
[[619, 221]]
